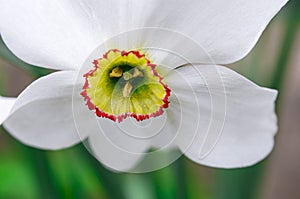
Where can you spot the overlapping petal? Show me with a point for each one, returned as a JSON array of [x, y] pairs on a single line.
[[116, 149], [6, 104], [237, 118], [42, 115], [60, 34], [135, 146]]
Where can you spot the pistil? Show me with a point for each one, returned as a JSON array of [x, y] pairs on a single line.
[[127, 76]]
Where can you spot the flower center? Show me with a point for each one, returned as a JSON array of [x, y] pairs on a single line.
[[125, 84]]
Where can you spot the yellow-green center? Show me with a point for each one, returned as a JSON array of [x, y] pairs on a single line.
[[125, 84]]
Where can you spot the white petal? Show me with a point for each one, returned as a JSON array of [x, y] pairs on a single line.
[[60, 34], [43, 116], [225, 30], [6, 104], [124, 146], [47, 34], [115, 149], [237, 118]]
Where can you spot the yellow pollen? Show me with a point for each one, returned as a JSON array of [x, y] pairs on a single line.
[[116, 72], [137, 73]]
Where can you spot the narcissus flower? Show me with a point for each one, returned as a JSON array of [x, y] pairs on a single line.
[[139, 75]]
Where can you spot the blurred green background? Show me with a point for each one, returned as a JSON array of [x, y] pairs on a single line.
[[73, 173]]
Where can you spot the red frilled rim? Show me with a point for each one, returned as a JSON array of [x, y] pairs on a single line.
[[120, 118]]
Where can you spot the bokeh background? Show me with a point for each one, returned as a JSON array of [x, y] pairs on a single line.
[[29, 173]]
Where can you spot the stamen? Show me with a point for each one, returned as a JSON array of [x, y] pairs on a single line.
[[137, 73], [116, 72], [127, 89]]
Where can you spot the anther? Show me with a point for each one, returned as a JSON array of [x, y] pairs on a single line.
[[137, 73], [116, 72], [127, 89]]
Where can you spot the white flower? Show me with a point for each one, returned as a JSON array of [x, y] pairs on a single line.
[[215, 116]]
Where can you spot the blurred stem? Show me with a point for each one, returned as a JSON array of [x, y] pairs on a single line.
[[137, 186], [165, 182], [111, 181], [181, 178], [46, 178], [43, 174], [238, 183], [292, 26]]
